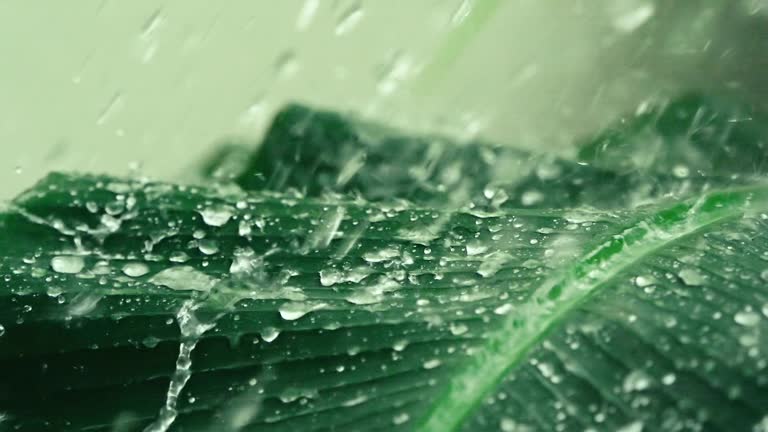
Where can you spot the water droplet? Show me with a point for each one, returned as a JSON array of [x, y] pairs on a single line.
[[84, 303], [292, 394], [458, 329], [644, 281], [291, 311], [179, 257], [394, 73], [2, 330], [67, 264], [691, 277], [330, 277], [381, 255], [680, 171], [747, 318], [269, 334], [400, 345], [349, 19], [17, 170], [503, 309], [355, 401], [462, 12], [765, 310], [114, 105], [493, 263], [184, 278], [629, 15], [217, 215], [286, 64], [54, 291], [476, 248], [401, 418], [764, 275], [531, 197], [635, 426], [636, 380], [668, 379], [761, 426], [306, 14], [135, 269]]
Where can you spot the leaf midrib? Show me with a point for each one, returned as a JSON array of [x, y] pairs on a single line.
[[507, 346]]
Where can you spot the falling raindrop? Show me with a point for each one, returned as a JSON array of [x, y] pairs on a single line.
[[636, 380], [286, 65], [307, 14], [462, 12], [349, 19], [629, 15]]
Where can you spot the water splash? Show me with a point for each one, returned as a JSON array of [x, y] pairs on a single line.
[[192, 330]]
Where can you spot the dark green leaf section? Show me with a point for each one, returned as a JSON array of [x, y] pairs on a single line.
[[691, 136], [315, 152], [342, 315], [676, 150]]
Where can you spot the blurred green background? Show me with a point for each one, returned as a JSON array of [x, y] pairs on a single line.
[[147, 87]]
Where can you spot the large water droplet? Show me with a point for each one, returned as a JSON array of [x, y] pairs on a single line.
[[531, 197], [184, 278], [217, 215], [269, 334], [290, 311], [476, 248], [691, 277], [636, 380], [135, 269], [747, 318], [67, 264], [458, 329], [503, 309]]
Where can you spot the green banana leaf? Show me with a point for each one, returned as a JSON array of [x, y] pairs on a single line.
[[135, 305]]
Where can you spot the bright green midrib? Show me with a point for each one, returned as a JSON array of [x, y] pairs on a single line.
[[508, 346]]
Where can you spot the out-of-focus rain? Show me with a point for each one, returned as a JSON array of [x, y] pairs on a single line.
[[129, 87]]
